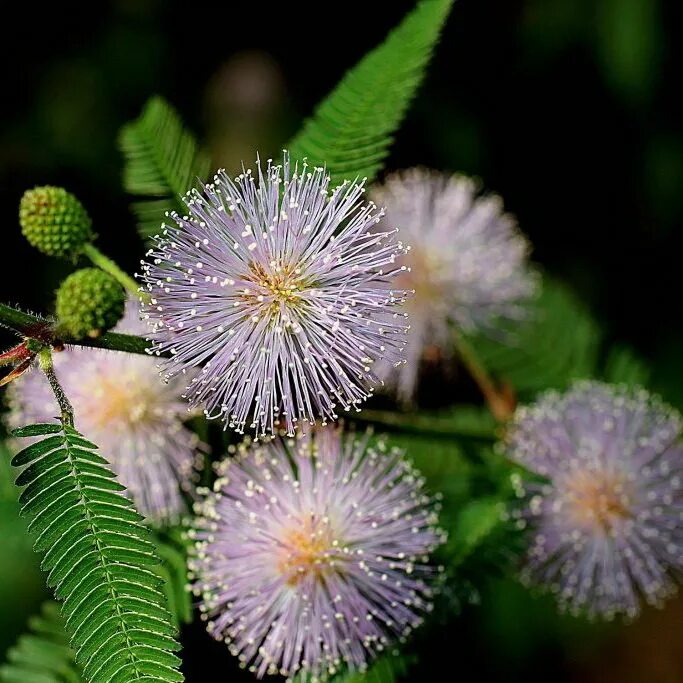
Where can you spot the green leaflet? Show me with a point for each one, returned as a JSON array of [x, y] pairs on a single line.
[[99, 561], [43, 655], [475, 522], [162, 162], [351, 129]]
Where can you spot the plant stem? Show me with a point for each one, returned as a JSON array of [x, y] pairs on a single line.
[[28, 325], [499, 404], [418, 424], [116, 341], [25, 324], [46, 365], [107, 265]]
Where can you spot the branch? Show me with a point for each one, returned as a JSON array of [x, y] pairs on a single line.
[[439, 427], [26, 324], [33, 326], [46, 365]]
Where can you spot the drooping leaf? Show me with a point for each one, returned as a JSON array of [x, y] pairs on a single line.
[[162, 162], [98, 558], [43, 655], [351, 130]]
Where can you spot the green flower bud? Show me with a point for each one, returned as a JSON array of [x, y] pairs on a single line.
[[54, 221], [89, 302]]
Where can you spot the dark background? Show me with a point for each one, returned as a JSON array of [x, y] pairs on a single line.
[[570, 109]]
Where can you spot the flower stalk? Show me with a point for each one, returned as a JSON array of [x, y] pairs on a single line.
[[500, 400], [47, 366], [109, 266]]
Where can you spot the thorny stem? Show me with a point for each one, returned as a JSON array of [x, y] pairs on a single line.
[[500, 404], [46, 365], [107, 265], [25, 324], [32, 326]]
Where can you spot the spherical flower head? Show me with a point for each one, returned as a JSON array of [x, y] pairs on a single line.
[[468, 263], [89, 302], [608, 521], [280, 289], [137, 421], [54, 221], [311, 552]]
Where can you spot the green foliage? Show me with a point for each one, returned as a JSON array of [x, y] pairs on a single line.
[[98, 559], [473, 482], [162, 162], [43, 655], [172, 548], [351, 129], [54, 221], [476, 520], [629, 45], [389, 668], [21, 582], [623, 366], [557, 344]]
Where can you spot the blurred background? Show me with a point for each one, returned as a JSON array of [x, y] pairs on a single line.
[[569, 109]]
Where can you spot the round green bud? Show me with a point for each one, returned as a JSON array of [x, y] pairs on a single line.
[[89, 302], [54, 221]]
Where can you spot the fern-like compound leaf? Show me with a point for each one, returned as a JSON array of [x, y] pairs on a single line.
[[99, 559], [351, 130], [162, 162], [559, 342], [43, 655]]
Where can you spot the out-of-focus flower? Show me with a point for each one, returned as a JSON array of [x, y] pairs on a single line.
[[468, 263], [608, 522], [137, 421], [282, 292], [312, 553]]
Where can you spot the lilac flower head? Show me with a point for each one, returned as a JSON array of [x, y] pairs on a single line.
[[608, 523], [281, 291], [120, 403], [311, 552], [468, 262]]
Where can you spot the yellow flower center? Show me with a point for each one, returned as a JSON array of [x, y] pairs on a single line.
[[423, 277], [280, 286], [596, 499], [306, 551], [119, 401]]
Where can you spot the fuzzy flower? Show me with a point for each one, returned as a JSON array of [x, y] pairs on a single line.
[[608, 522], [311, 552], [468, 263], [281, 291], [120, 403]]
